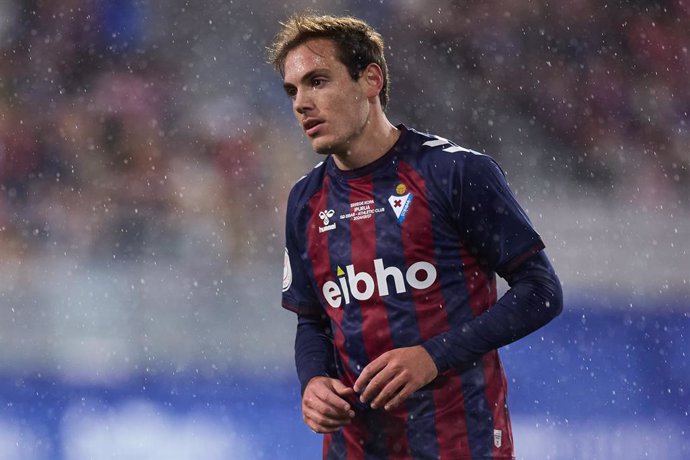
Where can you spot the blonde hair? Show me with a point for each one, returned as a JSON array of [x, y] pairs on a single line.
[[356, 42]]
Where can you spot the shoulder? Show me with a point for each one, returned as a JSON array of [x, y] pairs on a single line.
[[433, 153], [307, 186]]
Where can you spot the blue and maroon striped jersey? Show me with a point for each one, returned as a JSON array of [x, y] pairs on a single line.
[[396, 254]]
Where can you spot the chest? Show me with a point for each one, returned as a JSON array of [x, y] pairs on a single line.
[[374, 224]]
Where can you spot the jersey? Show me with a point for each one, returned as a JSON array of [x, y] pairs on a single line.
[[394, 254]]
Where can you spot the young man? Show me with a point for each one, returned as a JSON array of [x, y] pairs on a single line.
[[393, 243]]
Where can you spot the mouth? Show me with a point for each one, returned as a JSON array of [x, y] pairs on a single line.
[[311, 126]]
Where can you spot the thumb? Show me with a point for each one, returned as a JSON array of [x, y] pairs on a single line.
[[341, 389]]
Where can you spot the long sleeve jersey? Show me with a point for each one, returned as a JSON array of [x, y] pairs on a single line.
[[403, 252]]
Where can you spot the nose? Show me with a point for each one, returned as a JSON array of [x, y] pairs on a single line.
[[302, 102]]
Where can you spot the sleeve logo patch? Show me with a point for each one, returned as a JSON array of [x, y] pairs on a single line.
[[287, 272]]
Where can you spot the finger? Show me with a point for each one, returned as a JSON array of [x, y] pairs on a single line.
[[332, 407], [399, 397], [339, 405], [322, 428], [376, 384], [345, 392], [388, 391], [325, 414], [369, 371], [328, 403], [342, 390], [326, 394], [316, 419], [323, 423]]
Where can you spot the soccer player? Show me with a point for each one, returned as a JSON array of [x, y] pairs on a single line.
[[393, 244]]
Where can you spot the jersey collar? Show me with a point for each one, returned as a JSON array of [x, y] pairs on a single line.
[[375, 165]]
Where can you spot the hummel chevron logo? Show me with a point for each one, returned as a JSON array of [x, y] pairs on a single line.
[[450, 149]]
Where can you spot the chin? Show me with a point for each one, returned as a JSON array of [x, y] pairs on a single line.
[[325, 146], [323, 150], [321, 147]]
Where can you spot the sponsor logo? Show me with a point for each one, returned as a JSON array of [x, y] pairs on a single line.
[[325, 217], [400, 202], [287, 272], [362, 285]]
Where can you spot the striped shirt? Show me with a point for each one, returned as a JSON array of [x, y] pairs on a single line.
[[400, 253]]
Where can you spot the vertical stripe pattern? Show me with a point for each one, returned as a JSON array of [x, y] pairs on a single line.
[[432, 317], [370, 260]]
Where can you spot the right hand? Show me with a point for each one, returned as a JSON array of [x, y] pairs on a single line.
[[324, 408]]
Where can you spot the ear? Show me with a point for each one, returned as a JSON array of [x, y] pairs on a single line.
[[372, 77]]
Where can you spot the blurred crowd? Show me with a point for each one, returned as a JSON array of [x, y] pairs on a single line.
[[136, 132], [104, 156], [98, 154], [606, 85]]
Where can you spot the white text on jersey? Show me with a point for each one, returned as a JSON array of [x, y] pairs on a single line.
[[361, 286]]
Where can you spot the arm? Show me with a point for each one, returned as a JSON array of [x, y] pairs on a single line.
[[535, 297], [314, 353], [324, 407], [495, 230]]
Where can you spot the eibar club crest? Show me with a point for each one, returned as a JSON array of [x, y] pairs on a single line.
[[400, 202]]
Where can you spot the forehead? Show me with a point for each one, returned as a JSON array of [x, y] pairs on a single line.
[[318, 53]]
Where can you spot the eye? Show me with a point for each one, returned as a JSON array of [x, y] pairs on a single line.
[[291, 91], [316, 82]]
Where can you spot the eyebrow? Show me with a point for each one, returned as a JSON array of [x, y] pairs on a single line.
[[306, 77]]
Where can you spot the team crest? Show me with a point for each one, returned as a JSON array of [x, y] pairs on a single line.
[[400, 202]]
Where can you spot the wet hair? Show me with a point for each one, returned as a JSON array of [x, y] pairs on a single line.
[[356, 42]]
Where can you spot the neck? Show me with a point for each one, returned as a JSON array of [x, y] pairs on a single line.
[[376, 138]]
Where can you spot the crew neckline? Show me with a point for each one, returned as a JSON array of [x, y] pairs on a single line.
[[374, 165]]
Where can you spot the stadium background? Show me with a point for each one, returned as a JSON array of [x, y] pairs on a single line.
[[146, 153]]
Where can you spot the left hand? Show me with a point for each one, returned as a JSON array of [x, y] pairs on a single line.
[[392, 377]]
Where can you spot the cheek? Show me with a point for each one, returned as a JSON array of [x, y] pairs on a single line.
[[352, 103]]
